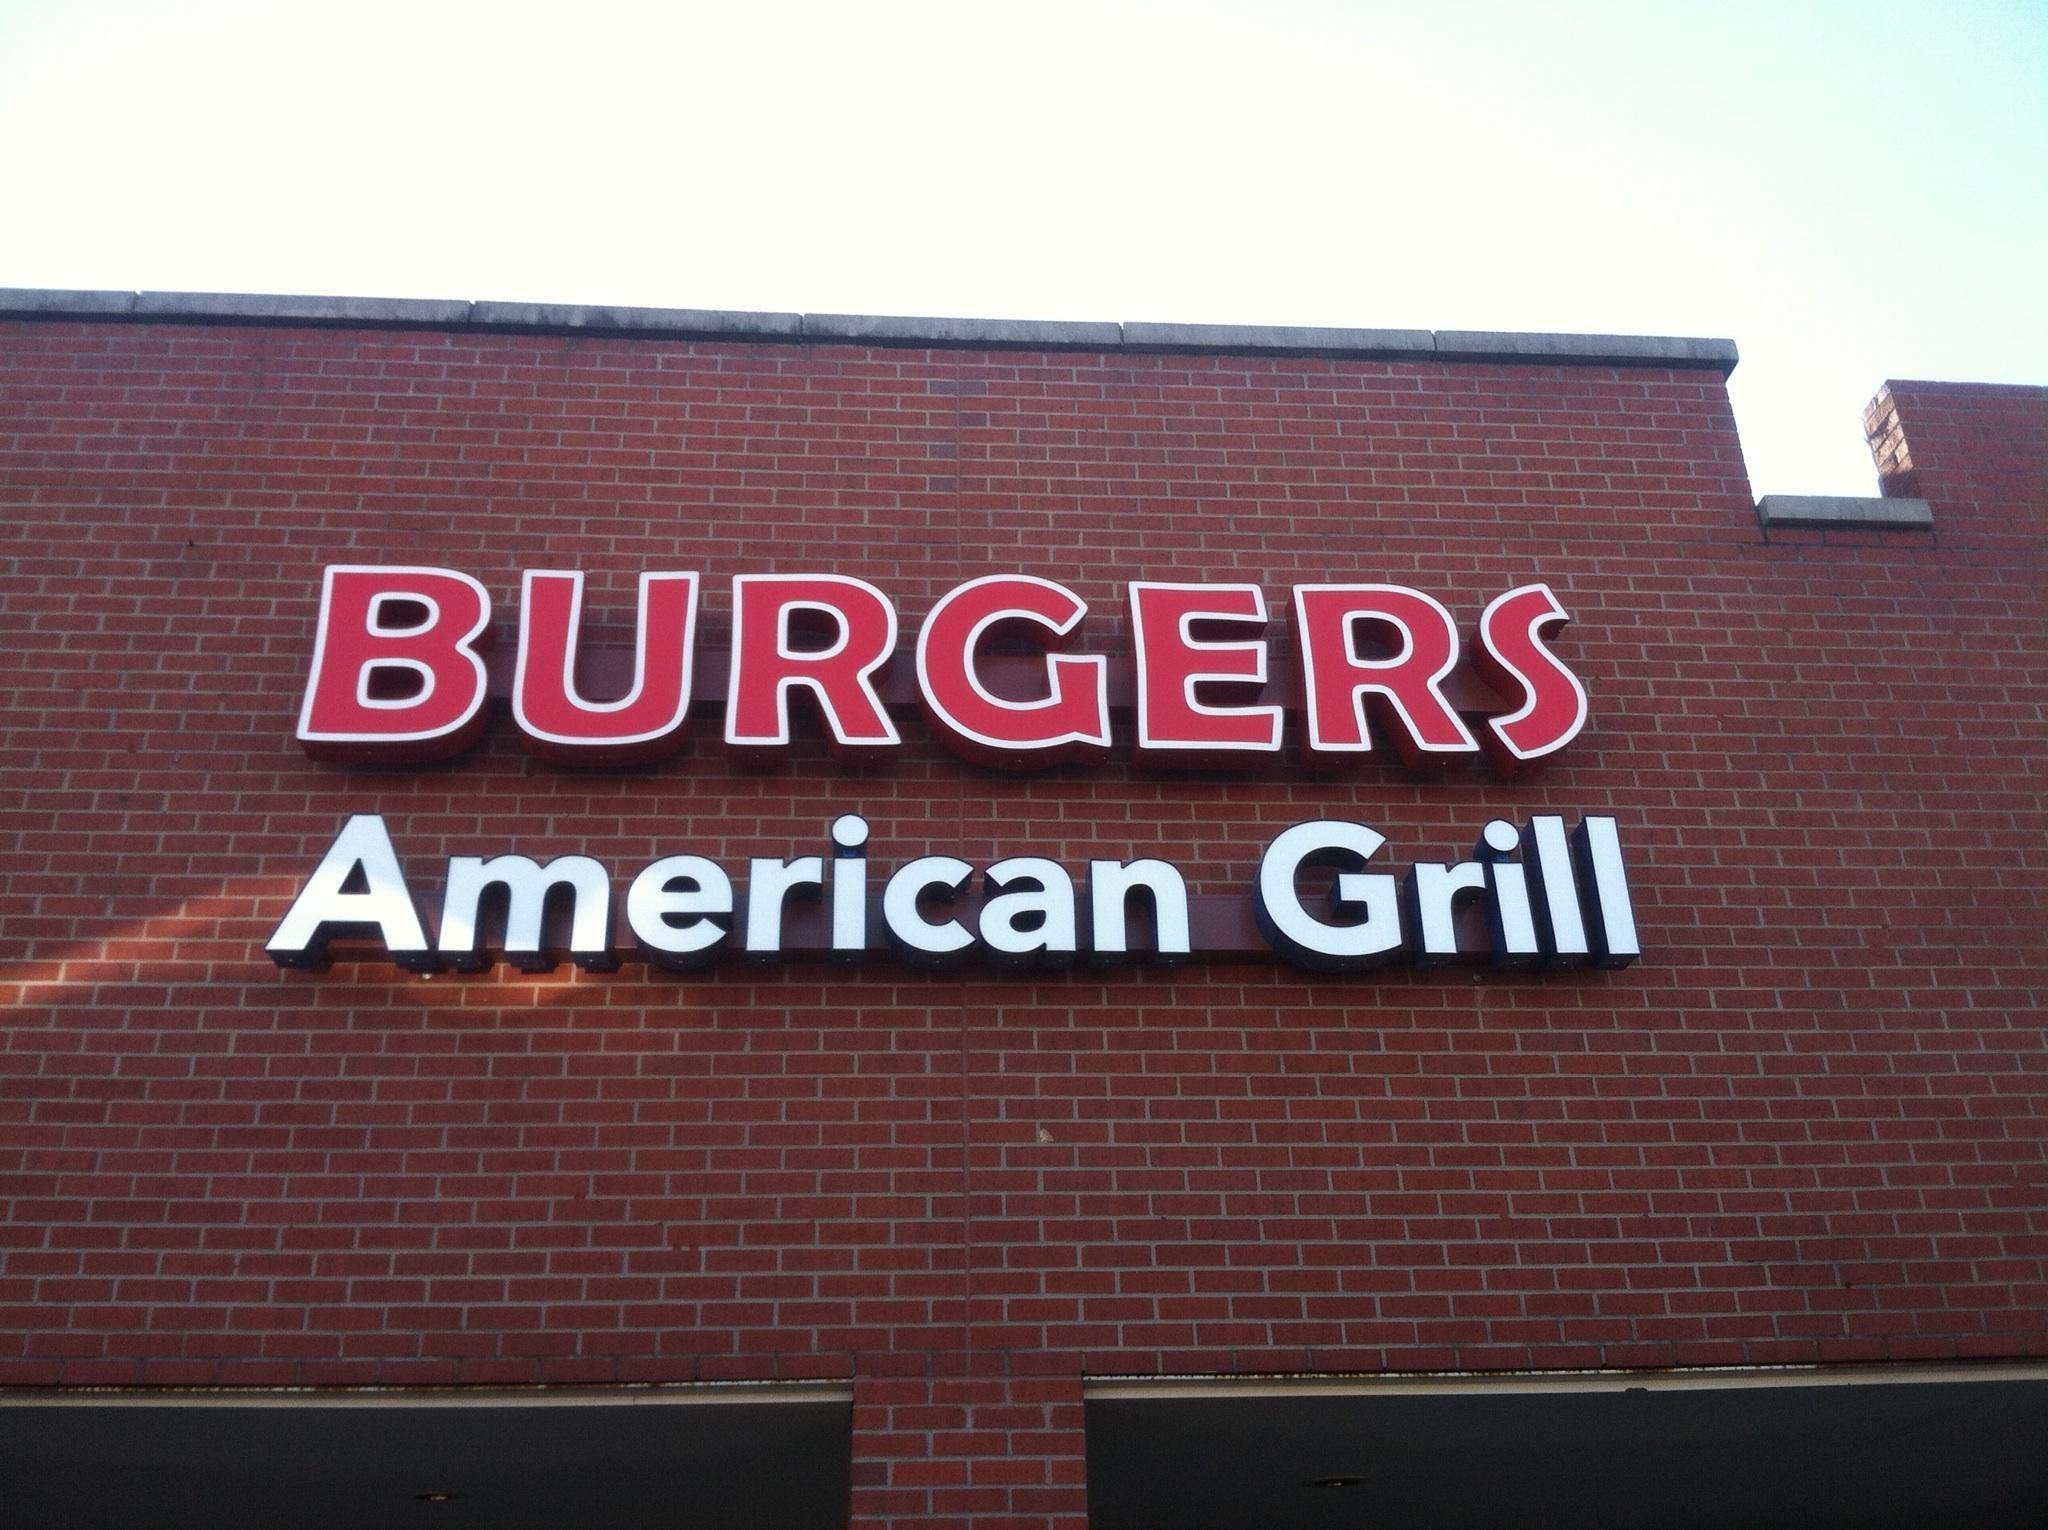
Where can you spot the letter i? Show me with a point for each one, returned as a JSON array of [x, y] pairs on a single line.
[[849, 885], [1508, 916]]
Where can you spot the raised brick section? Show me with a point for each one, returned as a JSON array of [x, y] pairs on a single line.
[[1805, 1127]]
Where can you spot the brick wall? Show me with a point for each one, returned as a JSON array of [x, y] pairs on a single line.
[[1803, 1128]]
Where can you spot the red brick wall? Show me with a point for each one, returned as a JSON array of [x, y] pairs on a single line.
[[1804, 1127]]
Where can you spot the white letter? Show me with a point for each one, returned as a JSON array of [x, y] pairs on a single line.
[[1508, 916], [1614, 932], [769, 883], [1110, 885], [676, 924], [916, 938], [1306, 940], [849, 884], [1546, 852], [1038, 918], [385, 903], [1433, 892], [527, 886]]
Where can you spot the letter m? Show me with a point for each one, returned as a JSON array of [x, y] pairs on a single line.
[[527, 888]]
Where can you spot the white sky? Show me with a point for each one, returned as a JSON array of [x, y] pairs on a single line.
[[1851, 191]]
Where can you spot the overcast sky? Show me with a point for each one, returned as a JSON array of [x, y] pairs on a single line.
[[1851, 191]]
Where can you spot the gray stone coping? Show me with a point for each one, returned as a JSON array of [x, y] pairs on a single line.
[[1651, 350], [1661, 351], [316, 310], [1035, 333], [1844, 510], [1278, 337]]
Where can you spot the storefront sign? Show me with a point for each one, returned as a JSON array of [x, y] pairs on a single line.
[[399, 671], [399, 674]]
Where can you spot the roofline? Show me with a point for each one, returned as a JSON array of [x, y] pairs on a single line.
[[232, 308]]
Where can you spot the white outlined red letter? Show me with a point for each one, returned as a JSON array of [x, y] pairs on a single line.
[[979, 725], [1511, 656], [647, 722], [387, 688], [767, 665], [1173, 664], [1406, 684]]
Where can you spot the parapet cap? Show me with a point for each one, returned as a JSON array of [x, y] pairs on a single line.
[[1661, 351]]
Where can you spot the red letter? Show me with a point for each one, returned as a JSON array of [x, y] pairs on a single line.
[[1337, 679], [766, 664], [1172, 662], [976, 723], [1511, 656], [647, 722], [359, 705]]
